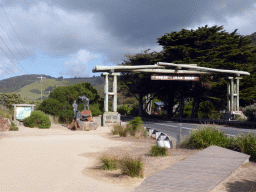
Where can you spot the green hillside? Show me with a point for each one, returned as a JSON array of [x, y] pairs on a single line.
[[29, 86]]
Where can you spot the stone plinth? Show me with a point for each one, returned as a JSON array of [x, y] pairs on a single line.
[[86, 125], [5, 124], [87, 112], [110, 118]]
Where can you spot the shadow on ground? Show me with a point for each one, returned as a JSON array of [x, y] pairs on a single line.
[[238, 186]]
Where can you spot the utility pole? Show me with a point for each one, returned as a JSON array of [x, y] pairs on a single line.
[[41, 85]]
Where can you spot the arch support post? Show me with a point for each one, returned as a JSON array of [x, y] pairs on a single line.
[[233, 94], [113, 117]]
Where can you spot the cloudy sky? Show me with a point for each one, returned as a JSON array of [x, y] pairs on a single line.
[[69, 37]]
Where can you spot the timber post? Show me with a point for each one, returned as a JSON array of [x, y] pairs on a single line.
[[110, 117], [233, 93]]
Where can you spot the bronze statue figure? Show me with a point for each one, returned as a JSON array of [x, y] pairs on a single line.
[[86, 103]]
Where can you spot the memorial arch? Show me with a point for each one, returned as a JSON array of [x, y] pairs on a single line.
[[167, 71]]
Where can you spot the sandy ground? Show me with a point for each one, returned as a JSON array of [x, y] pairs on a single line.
[[58, 159]]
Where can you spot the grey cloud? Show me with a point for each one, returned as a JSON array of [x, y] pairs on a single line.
[[111, 28]]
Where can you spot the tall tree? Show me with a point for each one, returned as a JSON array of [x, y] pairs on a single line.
[[212, 47], [139, 84]]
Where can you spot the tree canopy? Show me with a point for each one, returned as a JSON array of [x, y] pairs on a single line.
[[61, 99], [206, 46]]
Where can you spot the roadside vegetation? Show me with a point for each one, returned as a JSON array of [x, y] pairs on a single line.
[[158, 151], [205, 137], [134, 128], [132, 167]]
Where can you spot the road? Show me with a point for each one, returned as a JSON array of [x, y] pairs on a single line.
[[170, 128]]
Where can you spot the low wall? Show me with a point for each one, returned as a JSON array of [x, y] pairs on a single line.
[[97, 120]]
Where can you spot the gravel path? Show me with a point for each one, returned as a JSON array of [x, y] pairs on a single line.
[[35, 159]]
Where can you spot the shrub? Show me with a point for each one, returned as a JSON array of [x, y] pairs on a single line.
[[141, 132], [120, 130], [29, 122], [187, 109], [5, 112], [7, 99], [95, 109], [50, 106], [247, 144], [37, 119], [136, 128], [204, 137], [250, 112], [132, 167], [158, 151], [206, 108], [13, 127], [66, 116], [124, 109], [135, 123], [109, 163]]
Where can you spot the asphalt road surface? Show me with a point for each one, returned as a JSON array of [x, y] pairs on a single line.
[[170, 128]]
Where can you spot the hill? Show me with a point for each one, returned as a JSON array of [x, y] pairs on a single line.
[[29, 86]]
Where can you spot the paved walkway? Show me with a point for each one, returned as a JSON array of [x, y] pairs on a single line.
[[202, 171]]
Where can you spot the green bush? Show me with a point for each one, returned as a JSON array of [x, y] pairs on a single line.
[[13, 127], [5, 112], [37, 119], [250, 112], [124, 109], [187, 109], [66, 116], [246, 144], [50, 106], [29, 122], [204, 137], [132, 167], [7, 99], [135, 123], [158, 151], [62, 98], [136, 128], [206, 109], [95, 109], [109, 163]]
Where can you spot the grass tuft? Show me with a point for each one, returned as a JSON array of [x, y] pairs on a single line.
[[109, 163], [120, 130], [158, 151], [132, 167]]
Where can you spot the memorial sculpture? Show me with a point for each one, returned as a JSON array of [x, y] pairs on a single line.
[[82, 120], [86, 103]]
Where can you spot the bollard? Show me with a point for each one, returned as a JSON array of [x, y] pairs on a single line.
[[179, 133]]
